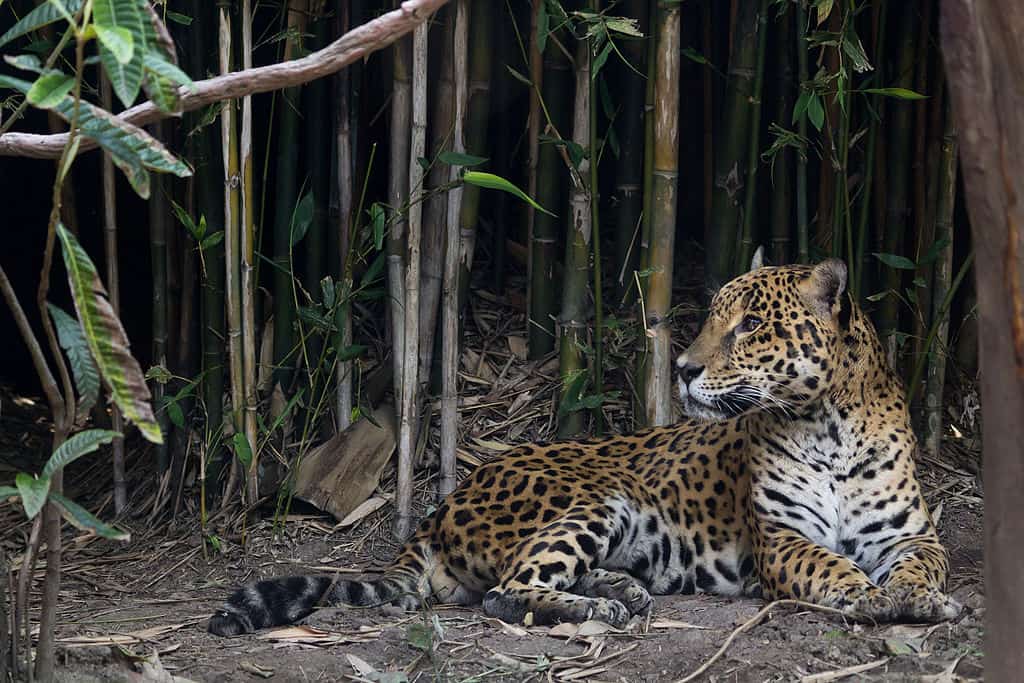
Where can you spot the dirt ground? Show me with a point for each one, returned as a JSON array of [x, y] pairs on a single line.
[[155, 596]]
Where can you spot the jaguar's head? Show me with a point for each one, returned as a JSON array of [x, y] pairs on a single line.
[[769, 342]]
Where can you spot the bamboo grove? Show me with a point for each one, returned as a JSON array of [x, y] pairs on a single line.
[[599, 164]]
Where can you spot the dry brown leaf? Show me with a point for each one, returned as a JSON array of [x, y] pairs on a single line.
[[517, 345], [587, 629], [673, 623], [827, 676], [265, 369], [256, 669], [510, 629], [301, 634], [365, 508], [362, 667], [493, 445]]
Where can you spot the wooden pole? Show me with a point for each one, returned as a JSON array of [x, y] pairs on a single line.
[[984, 58]]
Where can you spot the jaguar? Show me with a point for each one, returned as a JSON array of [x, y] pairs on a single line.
[[792, 475]]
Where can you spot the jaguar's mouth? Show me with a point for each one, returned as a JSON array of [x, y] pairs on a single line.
[[713, 408]]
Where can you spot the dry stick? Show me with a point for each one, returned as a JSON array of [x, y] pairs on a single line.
[[246, 266], [351, 47], [114, 292], [398, 193], [410, 385], [752, 622], [450, 303], [232, 290], [343, 409], [658, 382]]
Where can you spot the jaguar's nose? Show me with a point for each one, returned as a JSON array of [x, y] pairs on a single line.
[[690, 371]]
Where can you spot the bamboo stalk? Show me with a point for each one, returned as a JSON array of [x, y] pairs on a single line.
[[731, 155], [936, 376], [630, 166], [533, 128], [709, 92], [232, 243], [749, 229], [552, 178], [398, 193], [572, 320], [803, 239], [597, 371], [452, 259], [158, 215], [410, 367], [827, 234], [247, 266], [435, 211], [114, 293], [345, 172], [782, 166], [658, 299]]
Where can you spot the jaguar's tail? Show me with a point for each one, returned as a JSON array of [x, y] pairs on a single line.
[[285, 600]]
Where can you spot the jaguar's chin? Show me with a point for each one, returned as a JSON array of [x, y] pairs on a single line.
[[696, 409]]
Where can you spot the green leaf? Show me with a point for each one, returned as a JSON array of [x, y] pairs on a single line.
[[599, 60], [895, 261], [158, 65], [76, 446], [25, 63], [211, 240], [694, 56], [106, 338], [377, 218], [459, 159], [8, 492], [801, 106], [302, 218], [519, 77], [242, 450], [179, 18], [351, 352], [933, 251], [374, 270], [159, 374], [420, 636], [43, 15], [878, 296], [118, 40], [543, 27], [79, 517], [33, 492], [125, 76], [175, 413], [87, 377], [815, 111], [182, 215], [495, 182], [327, 292], [898, 93], [49, 89]]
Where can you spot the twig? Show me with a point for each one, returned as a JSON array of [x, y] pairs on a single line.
[[351, 47], [752, 622]]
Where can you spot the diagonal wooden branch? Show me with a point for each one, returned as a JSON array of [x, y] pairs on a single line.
[[354, 45]]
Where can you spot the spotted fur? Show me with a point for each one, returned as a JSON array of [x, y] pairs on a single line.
[[796, 478]]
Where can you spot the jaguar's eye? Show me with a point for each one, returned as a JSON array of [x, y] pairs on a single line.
[[749, 324]]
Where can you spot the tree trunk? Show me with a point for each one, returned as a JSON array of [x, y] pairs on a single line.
[[984, 58]]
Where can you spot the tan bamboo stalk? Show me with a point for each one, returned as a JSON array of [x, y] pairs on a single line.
[[572, 320], [435, 210], [533, 126], [658, 299], [346, 168], [943, 272], [158, 212], [114, 292], [398, 193], [410, 367], [232, 243], [450, 304], [247, 266]]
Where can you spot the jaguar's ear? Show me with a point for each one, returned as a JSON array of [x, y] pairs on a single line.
[[757, 260], [824, 289]]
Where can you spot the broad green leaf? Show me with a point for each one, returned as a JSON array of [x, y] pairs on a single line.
[[179, 18], [934, 251], [118, 40], [87, 377], [242, 450], [8, 492], [125, 77], [162, 91], [815, 111], [132, 149], [211, 240], [377, 219], [49, 89], [175, 413], [302, 217], [824, 9], [106, 338], [43, 15], [693, 55], [801, 106], [624, 25], [896, 261], [76, 446], [327, 292], [33, 492], [458, 159], [186, 220], [599, 60], [495, 182], [161, 72], [898, 93], [159, 374], [160, 66], [25, 62], [79, 517], [374, 270]]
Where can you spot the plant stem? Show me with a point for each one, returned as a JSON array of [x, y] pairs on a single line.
[[802, 219], [749, 230]]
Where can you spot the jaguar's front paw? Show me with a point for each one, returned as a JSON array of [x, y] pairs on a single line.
[[923, 603], [871, 604]]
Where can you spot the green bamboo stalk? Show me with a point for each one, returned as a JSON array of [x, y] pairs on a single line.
[[658, 295], [502, 146], [572, 320], [398, 193], [781, 215], [316, 103], [941, 289], [748, 236], [597, 371], [898, 165], [803, 238], [828, 234], [552, 179], [159, 212], [731, 154], [285, 198], [711, 98], [630, 165], [535, 60]]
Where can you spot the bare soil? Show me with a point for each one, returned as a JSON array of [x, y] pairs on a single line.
[[155, 596]]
